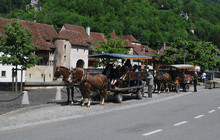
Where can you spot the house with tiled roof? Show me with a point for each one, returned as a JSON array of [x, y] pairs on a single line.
[[43, 39], [73, 45]]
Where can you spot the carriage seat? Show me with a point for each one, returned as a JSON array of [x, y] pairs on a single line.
[[134, 76]]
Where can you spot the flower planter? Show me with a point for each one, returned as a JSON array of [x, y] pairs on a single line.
[[208, 85]]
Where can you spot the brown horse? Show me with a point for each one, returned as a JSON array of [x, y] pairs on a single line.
[[65, 73], [162, 80], [88, 83]]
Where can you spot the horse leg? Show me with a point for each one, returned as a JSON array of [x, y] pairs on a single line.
[[88, 105], [168, 87], [102, 97], [164, 88], [158, 88], [72, 95], [83, 99], [68, 95]]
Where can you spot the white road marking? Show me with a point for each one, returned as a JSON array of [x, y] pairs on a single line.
[[211, 111], [180, 123], [153, 132], [218, 107], [199, 116]]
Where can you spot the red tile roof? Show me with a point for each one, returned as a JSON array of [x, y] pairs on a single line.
[[128, 43], [130, 38], [43, 33], [75, 38], [97, 37], [80, 29]]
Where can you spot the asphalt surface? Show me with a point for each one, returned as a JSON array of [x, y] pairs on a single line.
[[179, 118], [10, 101]]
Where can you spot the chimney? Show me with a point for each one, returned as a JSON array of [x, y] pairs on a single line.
[[34, 20], [88, 30], [143, 49]]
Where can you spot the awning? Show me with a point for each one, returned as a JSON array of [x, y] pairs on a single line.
[[119, 56], [184, 66], [178, 66]]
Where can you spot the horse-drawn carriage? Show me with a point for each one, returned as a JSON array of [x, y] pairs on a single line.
[[180, 76], [132, 83], [99, 83]]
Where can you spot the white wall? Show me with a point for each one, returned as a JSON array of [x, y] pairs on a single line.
[[39, 74], [78, 53], [8, 77]]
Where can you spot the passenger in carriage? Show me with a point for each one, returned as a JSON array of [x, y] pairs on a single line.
[[119, 76], [135, 68], [109, 71], [118, 73], [139, 69]]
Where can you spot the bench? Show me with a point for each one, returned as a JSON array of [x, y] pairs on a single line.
[[134, 76]]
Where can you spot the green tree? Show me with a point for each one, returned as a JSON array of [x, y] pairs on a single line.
[[203, 54], [116, 46], [16, 46]]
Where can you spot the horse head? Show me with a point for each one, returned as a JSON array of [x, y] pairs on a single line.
[[76, 75], [57, 73], [61, 71]]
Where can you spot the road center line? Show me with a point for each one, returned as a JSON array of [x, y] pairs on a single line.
[[153, 132], [180, 123], [211, 111], [199, 116]]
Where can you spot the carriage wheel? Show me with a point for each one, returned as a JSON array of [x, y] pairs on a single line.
[[118, 98], [186, 88], [139, 95], [177, 88]]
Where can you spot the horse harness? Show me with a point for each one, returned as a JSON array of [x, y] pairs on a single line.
[[85, 79]]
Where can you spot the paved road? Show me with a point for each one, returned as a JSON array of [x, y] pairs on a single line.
[[10, 101], [190, 116]]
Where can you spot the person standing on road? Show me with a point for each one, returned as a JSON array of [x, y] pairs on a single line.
[[195, 79], [203, 76], [150, 84]]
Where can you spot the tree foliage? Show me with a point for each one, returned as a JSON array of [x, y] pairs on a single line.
[[116, 46], [150, 21], [16, 46], [203, 54]]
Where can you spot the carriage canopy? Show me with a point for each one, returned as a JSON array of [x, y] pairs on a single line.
[[120, 56], [179, 66], [183, 66]]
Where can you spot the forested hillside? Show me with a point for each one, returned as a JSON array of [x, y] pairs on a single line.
[[150, 21]]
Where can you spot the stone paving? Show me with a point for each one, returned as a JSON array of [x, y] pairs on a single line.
[[56, 111]]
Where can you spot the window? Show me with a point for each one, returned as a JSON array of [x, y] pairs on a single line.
[[3, 74], [29, 75], [64, 47], [64, 57], [50, 75], [42, 75]]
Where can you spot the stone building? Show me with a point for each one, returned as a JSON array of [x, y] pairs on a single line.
[[43, 39]]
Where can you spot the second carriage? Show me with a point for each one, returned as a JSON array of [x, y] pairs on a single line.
[[181, 76]]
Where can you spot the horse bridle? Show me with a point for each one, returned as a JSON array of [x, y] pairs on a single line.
[[78, 77]]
